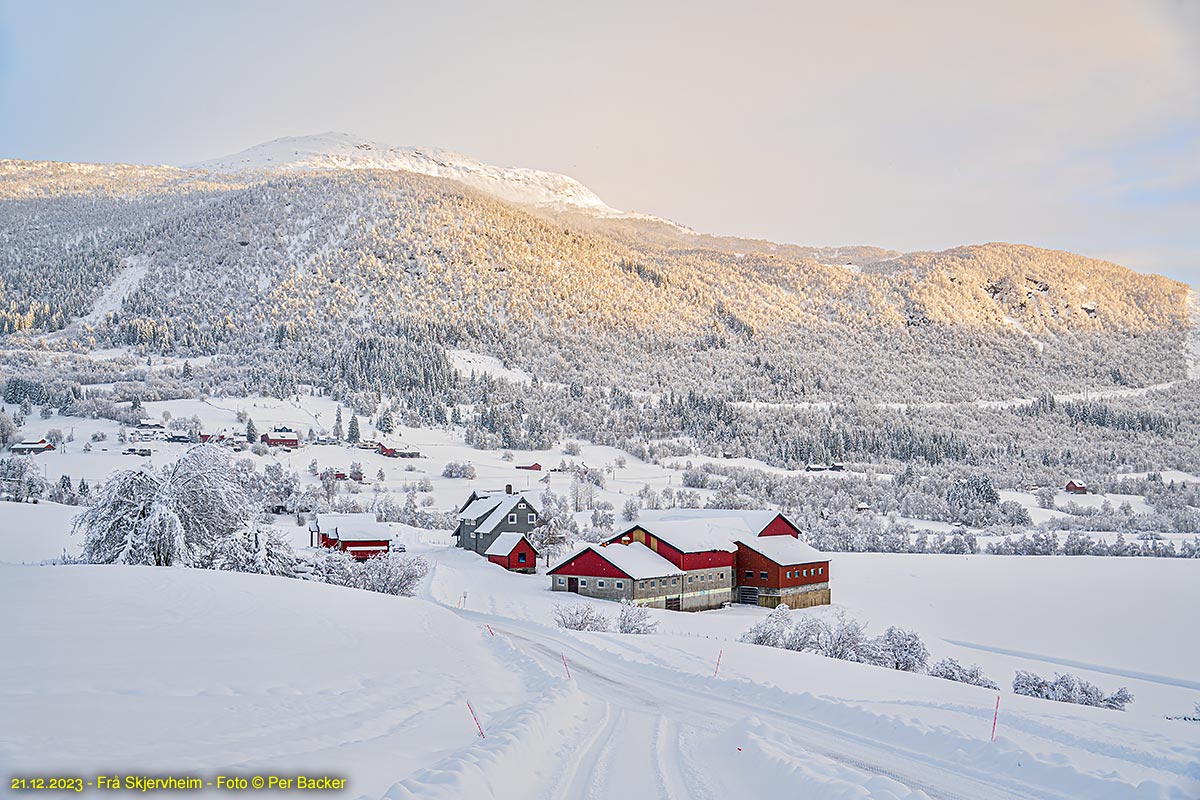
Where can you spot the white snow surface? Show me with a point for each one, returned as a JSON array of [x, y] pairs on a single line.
[[345, 151], [786, 550]]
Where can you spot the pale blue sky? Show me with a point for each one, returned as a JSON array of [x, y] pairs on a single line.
[[916, 125]]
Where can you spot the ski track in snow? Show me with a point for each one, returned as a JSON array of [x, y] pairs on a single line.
[[1165, 680]]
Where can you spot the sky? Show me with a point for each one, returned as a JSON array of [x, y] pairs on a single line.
[[916, 126]]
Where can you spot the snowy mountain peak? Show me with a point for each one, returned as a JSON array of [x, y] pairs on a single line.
[[345, 151]]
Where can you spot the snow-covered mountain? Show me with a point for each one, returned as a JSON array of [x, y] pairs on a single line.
[[345, 151]]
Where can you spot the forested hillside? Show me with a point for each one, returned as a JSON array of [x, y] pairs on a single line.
[[357, 283], [282, 262]]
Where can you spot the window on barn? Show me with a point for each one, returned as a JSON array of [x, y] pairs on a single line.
[[749, 573], [520, 558], [721, 576], [620, 584], [762, 576], [641, 584], [674, 581], [690, 579], [820, 570], [561, 581], [583, 581], [599, 584]]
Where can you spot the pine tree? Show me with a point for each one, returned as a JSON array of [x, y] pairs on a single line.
[[251, 432], [386, 424], [352, 435], [187, 370], [337, 425]]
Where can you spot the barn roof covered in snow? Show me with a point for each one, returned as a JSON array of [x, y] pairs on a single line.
[[353, 527], [505, 543], [635, 560], [694, 536], [783, 550]]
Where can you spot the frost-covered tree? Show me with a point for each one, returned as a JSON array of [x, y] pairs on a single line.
[[1045, 497], [257, 549], [333, 566], [251, 431], [386, 423], [177, 516], [1068, 688], [352, 435], [772, 630], [580, 617], [21, 479], [556, 530], [337, 425], [8, 429], [635, 619], [629, 511], [902, 650]]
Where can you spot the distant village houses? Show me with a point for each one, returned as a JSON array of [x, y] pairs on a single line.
[[30, 448]]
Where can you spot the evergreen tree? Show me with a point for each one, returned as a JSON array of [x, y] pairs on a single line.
[[187, 370], [386, 424], [337, 425], [251, 432], [352, 435]]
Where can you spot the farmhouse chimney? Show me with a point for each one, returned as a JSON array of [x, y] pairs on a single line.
[[508, 488]]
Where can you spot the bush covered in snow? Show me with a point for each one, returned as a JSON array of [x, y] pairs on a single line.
[[459, 469], [951, 670], [635, 619], [902, 650], [580, 617], [1068, 688], [391, 573]]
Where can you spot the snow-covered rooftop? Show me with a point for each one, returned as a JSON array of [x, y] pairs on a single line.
[[784, 550], [353, 527], [635, 560], [696, 535], [753, 519], [504, 544], [507, 504]]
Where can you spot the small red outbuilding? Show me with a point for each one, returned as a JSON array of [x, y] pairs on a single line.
[[513, 552]]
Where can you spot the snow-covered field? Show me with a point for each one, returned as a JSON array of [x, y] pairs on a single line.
[[156, 671]]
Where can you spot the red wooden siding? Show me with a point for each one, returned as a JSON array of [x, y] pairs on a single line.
[[780, 527], [513, 559], [685, 561], [776, 578]]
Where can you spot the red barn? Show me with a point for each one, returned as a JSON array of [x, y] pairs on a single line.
[[358, 535], [281, 438], [536, 467], [1075, 488], [30, 448], [777, 569], [631, 572], [698, 547], [513, 552]]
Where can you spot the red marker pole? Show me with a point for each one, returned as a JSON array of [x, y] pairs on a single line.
[[492, 632], [718, 669], [482, 735], [568, 669], [995, 716]]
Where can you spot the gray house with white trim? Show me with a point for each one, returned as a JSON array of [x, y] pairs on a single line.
[[486, 515]]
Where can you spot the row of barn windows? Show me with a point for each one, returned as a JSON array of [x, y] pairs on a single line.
[[720, 576], [791, 573], [641, 584]]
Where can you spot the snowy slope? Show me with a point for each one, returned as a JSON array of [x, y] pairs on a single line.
[[344, 151]]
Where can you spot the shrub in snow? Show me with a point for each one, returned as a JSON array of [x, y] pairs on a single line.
[[580, 617], [1068, 688], [629, 512], [902, 650], [572, 448], [260, 550], [391, 573], [847, 639], [951, 670], [333, 566], [771, 631], [21, 479], [635, 619], [455, 469]]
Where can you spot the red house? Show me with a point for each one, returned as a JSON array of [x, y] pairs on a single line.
[[281, 438], [31, 448], [358, 535], [536, 467], [513, 552], [1075, 488], [779, 569]]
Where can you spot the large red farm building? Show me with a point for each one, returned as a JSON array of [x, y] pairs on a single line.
[[701, 558]]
